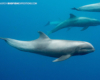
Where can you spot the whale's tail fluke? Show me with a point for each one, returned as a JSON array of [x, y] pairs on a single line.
[[48, 23], [3, 38], [74, 8]]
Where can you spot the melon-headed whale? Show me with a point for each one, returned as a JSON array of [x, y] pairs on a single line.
[[53, 23], [75, 21], [90, 8], [60, 49]]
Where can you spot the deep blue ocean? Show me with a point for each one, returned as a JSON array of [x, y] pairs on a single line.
[[22, 22]]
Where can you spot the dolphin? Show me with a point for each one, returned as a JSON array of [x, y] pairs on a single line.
[[90, 8], [75, 21], [53, 23], [60, 49]]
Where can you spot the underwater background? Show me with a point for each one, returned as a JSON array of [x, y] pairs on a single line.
[[22, 22]]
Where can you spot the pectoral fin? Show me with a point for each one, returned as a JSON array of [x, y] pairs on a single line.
[[63, 57], [84, 28]]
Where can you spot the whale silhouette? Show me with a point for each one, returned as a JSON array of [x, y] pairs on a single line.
[[75, 21], [60, 49]]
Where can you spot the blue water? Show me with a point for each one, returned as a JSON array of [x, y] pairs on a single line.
[[23, 21]]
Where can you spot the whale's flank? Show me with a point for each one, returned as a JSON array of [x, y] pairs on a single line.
[[60, 49]]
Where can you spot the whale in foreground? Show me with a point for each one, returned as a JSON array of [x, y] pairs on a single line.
[[75, 21], [60, 49], [90, 8]]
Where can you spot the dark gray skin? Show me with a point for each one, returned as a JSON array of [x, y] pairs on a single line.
[[74, 21], [61, 49]]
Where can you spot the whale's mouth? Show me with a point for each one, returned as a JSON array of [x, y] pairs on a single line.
[[88, 49]]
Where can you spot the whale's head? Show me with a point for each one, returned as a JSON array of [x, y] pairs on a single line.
[[85, 48], [95, 22]]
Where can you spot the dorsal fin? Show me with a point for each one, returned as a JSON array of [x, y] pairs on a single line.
[[42, 35], [72, 16]]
